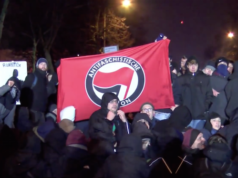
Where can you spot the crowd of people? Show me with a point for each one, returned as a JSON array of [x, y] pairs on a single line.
[[195, 138]]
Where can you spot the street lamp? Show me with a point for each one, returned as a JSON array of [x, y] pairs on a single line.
[[230, 35], [126, 3]]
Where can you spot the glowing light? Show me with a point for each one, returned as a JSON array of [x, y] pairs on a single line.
[[230, 35], [181, 22], [126, 3]]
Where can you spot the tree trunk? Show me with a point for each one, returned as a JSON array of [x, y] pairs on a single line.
[[34, 54], [3, 15], [49, 59]]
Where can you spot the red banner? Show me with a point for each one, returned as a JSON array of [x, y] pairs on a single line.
[[136, 75]]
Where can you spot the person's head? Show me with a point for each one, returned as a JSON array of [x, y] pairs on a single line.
[[148, 109], [183, 61], [222, 61], [192, 66], [67, 117], [215, 121], [230, 67], [42, 64], [142, 118], [110, 102], [193, 139], [209, 68]]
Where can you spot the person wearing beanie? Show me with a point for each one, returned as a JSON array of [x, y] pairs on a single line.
[[209, 68], [222, 67], [217, 157], [108, 123], [127, 162], [212, 125], [35, 92], [231, 91], [196, 92], [193, 139], [76, 158]]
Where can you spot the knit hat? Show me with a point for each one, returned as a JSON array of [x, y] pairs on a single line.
[[68, 113], [76, 137], [40, 60], [145, 104], [210, 65], [222, 59], [189, 137], [160, 37], [52, 107]]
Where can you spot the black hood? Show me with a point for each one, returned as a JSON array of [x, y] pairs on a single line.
[[131, 145], [211, 116], [180, 118], [218, 152], [140, 116], [235, 73], [106, 98]]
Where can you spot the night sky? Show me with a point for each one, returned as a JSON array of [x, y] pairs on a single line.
[[203, 19]]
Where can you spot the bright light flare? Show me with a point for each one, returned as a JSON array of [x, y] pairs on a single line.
[[230, 35], [126, 3]]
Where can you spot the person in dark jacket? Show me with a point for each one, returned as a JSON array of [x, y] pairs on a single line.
[[231, 91], [77, 158], [212, 125], [230, 131], [9, 94], [217, 158], [108, 123], [127, 162], [235, 160], [196, 92], [35, 92], [141, 126]]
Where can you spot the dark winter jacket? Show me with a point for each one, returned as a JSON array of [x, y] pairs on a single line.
[[217, 159], [196, 93], [127, 162], [219, 103], [231, 130], [101, 128], [34, 94], [231, 92], [176, 89]]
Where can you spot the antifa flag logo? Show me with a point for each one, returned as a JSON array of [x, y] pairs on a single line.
[[122, 76]]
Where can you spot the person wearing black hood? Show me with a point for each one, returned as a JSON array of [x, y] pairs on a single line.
[[212, 125], [231, 130], [127, 162], [217, 158], [141, 126], [218, 84], [36, 90], [231, 91], [108, 123], [196, 92], [9, 94]]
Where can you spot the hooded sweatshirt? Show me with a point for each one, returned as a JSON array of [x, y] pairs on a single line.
[[127, 162], [231, 92], [196, 91], [100, 128]]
